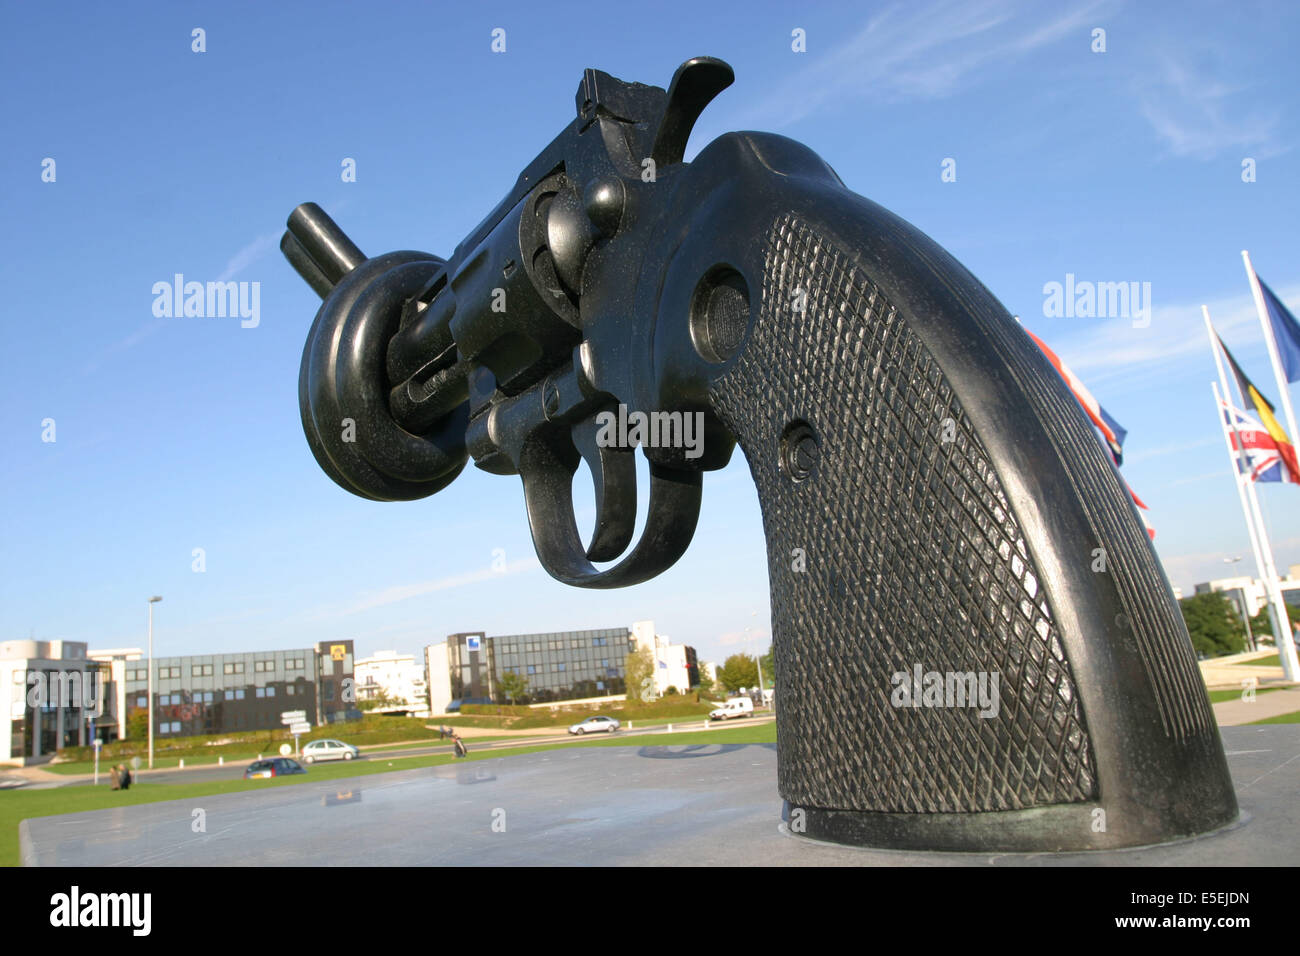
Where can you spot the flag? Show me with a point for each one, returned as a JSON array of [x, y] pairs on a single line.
[[1111, 432], [1258, 456], [1264, 409], [1286, 332], [1112, 435]]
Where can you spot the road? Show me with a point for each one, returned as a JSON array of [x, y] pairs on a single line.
[[234, 770]]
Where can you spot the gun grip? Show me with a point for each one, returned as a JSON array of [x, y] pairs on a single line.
[[942, 527]]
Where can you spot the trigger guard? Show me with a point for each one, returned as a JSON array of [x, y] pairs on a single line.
[[613, 474], [674, 510]]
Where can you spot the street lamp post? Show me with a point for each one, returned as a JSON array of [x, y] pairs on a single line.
[[758, 661], [152, 601], [1245, 616]]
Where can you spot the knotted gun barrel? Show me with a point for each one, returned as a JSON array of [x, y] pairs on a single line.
[[952, 673]]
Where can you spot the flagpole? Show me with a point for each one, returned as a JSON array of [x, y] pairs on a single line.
[[1278, 616], [1273, 355], [1234, 457]]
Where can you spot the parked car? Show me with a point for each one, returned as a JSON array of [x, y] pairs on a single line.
[[329, 750], [736, 707], [595, 725], [273, 767]]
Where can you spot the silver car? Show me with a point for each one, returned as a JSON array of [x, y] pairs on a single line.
[[595, 725], [329, 750]]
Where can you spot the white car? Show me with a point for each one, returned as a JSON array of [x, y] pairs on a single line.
[[736, 707], [329, 750], [595, 725]]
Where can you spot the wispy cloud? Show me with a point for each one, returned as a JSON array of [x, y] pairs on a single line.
[[122, 345], [1197, 115], [246, 256], [1195, 479], [1113, 348], [758, 639], [405, 592], [1171, 450], [917, 51]]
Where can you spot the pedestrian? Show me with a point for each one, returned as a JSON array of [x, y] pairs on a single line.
[[459, 744], [126, 777], [115, 777]]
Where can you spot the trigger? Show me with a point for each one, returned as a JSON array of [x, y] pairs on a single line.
[[613, 472]]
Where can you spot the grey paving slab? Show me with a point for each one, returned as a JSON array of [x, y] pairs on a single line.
[[647, 805]]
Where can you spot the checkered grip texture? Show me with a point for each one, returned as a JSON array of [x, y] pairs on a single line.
[[912, 557]]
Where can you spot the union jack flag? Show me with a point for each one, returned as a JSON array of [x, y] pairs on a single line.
[[1258, 455]]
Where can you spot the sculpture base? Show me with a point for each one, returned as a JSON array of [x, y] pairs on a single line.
[[1054, 829]]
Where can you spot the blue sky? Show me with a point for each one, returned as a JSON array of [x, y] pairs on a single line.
[[181, 433]]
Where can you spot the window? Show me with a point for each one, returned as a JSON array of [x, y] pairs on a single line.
[[599, 641], [233, 667], [270, 692], [201, 670], [293, 664], [261, 692], [235, 694], [142, 702], [288, 689], [263, 667], [532, 668]]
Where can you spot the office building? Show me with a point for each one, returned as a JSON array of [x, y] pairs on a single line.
[[217, 693], [562, 665], [52, 695]]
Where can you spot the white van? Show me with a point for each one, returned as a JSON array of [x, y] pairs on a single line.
[[736, 707]]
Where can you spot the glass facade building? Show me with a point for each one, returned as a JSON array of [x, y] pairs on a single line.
[[564, 665], [216, 693]]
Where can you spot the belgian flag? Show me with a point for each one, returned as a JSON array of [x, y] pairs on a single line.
[[1264, 408]]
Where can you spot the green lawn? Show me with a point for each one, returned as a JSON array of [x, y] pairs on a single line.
[[1292, 718], [1273, 660], [19, 805], [1219, 696]]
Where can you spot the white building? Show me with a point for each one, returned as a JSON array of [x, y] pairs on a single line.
[[51, 694], [437, 673], [115, 708], [672, 664], [398, 677], [1248, 592]]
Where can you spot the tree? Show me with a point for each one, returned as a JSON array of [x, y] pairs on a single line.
[[705, 685], [769, 668], [737, 671], [379, 699], [640, 670], [1260, 623], [1213, 624], [513, 685], [137, 724]]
